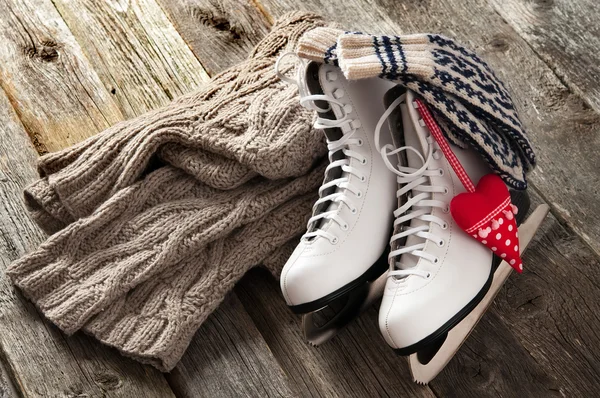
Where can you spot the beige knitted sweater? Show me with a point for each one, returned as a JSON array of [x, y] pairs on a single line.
[[156, 218]]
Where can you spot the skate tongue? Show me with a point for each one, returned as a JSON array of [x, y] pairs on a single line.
[[416, 137], [313, 79]]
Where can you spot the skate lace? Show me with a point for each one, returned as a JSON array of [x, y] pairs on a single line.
[[344, 191], [416, 184]]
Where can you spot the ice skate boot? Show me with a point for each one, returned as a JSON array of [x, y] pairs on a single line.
[[441, 280], [344, 249]]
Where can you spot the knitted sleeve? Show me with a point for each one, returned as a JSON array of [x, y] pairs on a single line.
[[464, 92], [243, 123]]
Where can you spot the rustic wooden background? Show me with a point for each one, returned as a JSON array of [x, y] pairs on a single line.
[[70, 68]]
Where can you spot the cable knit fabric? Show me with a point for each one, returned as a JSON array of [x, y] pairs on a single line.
[[470, 102], [156, 218]]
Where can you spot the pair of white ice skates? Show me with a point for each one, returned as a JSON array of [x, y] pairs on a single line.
[[388, 177]]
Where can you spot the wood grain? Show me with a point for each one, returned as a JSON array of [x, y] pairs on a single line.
[[47, 78], [7, 389], [229, 358], [135, 50], [563, 33], [220, 32], [356, 363], [39, 359]]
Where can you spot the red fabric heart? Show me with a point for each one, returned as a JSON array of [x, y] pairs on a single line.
[[488, 215]]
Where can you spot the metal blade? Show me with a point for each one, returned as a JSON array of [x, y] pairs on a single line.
[[356, 302]]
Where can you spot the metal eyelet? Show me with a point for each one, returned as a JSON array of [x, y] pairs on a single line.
[[339, 93]]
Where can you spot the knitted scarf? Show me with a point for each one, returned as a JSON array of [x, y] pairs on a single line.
[[470, 103], [155, 219]]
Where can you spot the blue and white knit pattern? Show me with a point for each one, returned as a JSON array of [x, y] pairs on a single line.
[[471, 104]]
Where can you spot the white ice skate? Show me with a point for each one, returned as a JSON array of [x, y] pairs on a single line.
[[345, 247], [441, 280]]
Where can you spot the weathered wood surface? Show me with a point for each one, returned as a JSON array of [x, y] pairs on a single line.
[[7, 389], [230, 358], [220, 32], [135, 50], [47, 78], [40, 360], [565, 34], [356, 363], [541, 332]]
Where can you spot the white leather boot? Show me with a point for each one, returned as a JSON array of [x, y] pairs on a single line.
[[438, 274], [345, 246]]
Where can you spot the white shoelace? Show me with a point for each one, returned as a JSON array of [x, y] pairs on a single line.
[[343, 187], [413, 182]]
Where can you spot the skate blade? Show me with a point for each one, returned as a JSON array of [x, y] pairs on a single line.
[[424, 373], [356, 303]]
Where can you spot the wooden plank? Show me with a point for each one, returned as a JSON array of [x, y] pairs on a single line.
[[136, 51], [229, 358], [220, 32], [47, 78], [564, 33], [7, 389], [356, 363], [38, 358]]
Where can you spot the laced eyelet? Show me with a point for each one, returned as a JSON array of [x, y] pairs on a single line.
[[360, 142], [356, 124], [364, 161], [446, 209], [441, 243], [339, 93], [446, 190], [334, 241], [428, 275], [441, 171], [445, 225]]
